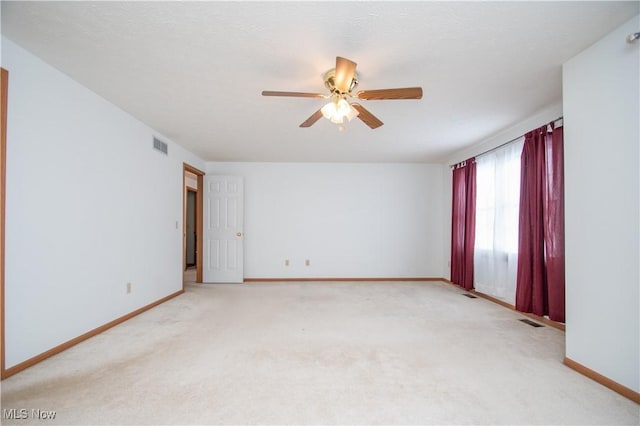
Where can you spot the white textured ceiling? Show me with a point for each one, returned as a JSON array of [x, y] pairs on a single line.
[[194, 70]]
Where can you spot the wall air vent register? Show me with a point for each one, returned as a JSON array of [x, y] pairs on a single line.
[[160, 146]]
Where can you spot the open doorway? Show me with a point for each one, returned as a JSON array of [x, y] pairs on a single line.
[[191, 237], [192, 225]]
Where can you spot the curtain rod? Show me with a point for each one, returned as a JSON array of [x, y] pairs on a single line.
[[503, 144]]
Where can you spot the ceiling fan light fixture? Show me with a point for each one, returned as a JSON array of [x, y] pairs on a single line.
[[343, 107], [337, 119], [329, 110], [339, 109]]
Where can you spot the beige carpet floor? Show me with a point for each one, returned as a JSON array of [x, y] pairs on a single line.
[[318, 353]]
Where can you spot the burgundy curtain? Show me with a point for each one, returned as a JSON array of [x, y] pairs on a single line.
[[554, 223], [463, 223], [540, 277], [531, 280]]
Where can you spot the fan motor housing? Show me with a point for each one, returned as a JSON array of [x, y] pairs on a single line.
[[330, 78]]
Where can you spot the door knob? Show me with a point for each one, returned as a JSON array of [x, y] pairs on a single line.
[[239, 234]]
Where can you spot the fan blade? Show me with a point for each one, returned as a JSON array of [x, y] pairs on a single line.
[[404, 93], [311, 120], [345, 70], [293, 94], [368, 118]]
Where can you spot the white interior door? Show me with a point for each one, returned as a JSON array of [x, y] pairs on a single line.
[[223, 230]]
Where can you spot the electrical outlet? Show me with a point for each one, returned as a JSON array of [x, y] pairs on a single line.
[[286, 262], [128, 288], [307, 262]]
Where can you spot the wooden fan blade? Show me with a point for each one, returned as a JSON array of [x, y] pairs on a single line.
[[311, 120], [293, 94], [368, 118], [404, 93], [345, 70]]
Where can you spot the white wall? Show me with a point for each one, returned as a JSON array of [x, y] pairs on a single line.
[[447, 197], [349, 220], [601, 109], [90, 207], [540, 118]]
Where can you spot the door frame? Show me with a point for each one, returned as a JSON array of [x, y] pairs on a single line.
[[199, 223], [4, 77]]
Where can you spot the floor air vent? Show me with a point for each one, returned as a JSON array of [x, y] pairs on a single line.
[[160, 146], [531, 323], [470, 296]]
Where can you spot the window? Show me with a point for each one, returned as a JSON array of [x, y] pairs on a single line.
[[497, 205]]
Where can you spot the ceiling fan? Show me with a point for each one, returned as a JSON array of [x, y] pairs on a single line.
[[341, 81]]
